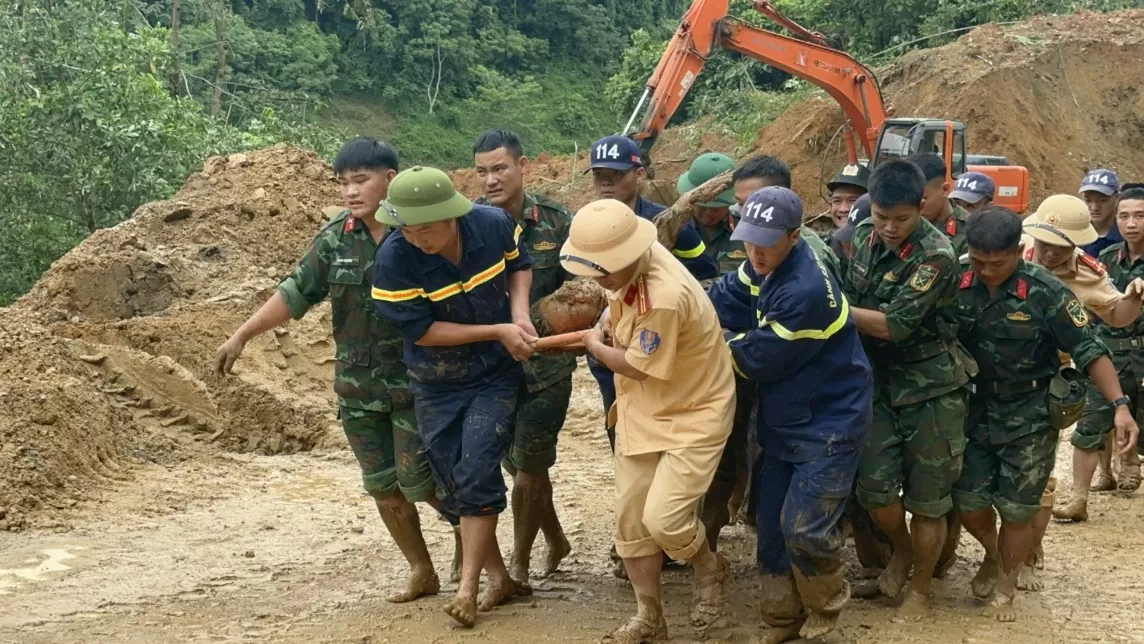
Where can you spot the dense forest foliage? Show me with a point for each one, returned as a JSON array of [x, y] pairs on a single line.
[[107, 104]]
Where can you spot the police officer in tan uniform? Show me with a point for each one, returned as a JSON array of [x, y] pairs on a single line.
[[674, 406], [1053, 237]]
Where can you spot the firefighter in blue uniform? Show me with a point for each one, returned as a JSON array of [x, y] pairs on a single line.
[[804, 341], [456, 282]]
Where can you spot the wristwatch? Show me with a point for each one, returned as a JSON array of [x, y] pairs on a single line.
[[1123, 400]]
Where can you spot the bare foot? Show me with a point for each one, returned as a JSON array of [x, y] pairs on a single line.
[[455, 575], [498, 592], [637, 631], [817, 625], [865, 589], [779, 634], [1039, 557], [707, 605], [914, 608], [463, 609], [1075, 511], [420, 584], [1103, 483], [556, 553], [895, 576], [1027, 579], [1001, 609], [985, 579], [518, 569]]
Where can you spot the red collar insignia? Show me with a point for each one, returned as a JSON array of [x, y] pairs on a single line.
[[967, 279], [535, 213], [1029, 254], [351, 224], [907, 248], [1093, 264], [1022, 288], [951, 226]]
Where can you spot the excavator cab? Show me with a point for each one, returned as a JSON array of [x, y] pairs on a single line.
[[901, 137]]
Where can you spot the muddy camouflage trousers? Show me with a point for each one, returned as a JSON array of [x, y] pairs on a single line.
[[540, 416], [1009, 475], [388, 449], [916, 449]]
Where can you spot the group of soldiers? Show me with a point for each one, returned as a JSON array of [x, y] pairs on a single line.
[[921, 358]]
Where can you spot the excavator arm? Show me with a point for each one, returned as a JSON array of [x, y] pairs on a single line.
[[706, 27]]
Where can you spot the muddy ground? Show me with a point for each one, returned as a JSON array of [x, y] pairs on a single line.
[[227, 547]]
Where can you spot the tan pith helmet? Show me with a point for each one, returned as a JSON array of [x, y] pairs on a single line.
[[605, 237], [1061, 220]]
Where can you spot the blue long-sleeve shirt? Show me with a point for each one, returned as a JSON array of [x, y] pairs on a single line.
[[815, 383]]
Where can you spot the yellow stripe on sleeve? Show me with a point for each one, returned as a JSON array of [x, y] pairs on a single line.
[[396, 296], [690, 254]]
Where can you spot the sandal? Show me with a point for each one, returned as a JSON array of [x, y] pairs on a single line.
[[637, 631], [1103, 483], [1129, 478]]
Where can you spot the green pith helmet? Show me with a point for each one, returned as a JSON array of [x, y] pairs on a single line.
[[422, 195], [1067, 390], [707, 167]]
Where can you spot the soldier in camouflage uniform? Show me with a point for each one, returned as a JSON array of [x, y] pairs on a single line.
[[1014, 317], [715, 219], [543, 404], [902, 283], [945, 214], [374, 401]]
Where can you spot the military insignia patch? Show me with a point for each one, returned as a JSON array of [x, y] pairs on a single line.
[[544, 245], [850, 171], [737, 254], [1077, 313], [923, 278], [1019, 316], [890, 277], [649, 341]]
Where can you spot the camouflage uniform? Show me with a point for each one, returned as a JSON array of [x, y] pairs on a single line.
[[547, 390], [1127, 347], [920, 405], [954, 228], [374, 401], [1015, 337], [727, 253]]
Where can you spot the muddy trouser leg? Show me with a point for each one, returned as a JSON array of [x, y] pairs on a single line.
[[716, 511], [870, 544], [754, 463], [606, 378], [780, 603]]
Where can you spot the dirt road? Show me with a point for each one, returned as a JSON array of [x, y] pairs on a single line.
[[223, 547]]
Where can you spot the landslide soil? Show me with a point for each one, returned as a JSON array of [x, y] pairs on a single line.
[[142, 499]]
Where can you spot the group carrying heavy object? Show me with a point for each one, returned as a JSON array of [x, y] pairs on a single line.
[[912, 364]]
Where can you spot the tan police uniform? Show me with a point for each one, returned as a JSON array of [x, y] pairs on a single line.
[[1085, 277], [673, 425]]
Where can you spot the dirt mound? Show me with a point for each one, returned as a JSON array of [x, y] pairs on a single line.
[[1055, 94], [107, 361], [562, 177]]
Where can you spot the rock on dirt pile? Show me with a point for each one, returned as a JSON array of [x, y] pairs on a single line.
[[1058, 95], [107, 361]]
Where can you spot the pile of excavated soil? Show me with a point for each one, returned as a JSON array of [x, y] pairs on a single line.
[[107, 361], [1058, 95]]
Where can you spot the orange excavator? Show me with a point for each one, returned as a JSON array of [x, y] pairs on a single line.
[[870, 134]]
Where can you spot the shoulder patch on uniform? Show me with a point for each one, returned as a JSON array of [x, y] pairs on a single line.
[[1019, 316], [1077, 313], [967, 279], [924, 277], [643, 297], [544, 245], [1095, 265], [649, 341]]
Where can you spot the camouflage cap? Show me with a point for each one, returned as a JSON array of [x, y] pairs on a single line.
[[1061, 220], [422, 195], [707, 167]]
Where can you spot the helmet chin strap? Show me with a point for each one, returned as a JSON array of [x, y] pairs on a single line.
[[1054, 230]]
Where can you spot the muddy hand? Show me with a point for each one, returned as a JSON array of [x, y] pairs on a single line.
[[227, 354], [518, 342]]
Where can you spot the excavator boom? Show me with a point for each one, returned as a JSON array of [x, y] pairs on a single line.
[[706, 27]]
